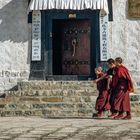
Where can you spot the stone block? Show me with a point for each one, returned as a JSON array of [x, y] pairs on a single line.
[[13, 93], [135, 97], [12, 106], [52, 99], [9, 113], [29, 99], [2, 106], [39, 106]]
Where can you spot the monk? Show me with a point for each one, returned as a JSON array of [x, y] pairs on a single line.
[[122, 86], [110, 71], [102, 102], [110, 74]]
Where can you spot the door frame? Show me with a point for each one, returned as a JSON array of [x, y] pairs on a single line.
[[47, 21]]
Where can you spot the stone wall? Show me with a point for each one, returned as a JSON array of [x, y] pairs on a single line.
[[14, 38]]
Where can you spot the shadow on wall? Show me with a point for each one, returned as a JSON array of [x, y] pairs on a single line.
[[126, 9], [13, 22], [13, 18]]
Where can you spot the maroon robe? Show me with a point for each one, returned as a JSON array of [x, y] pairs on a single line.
[[122, 85], [102, 102]]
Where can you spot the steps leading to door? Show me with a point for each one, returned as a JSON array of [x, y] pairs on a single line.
[[55, 99]]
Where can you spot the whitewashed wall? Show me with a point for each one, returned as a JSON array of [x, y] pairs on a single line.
[[14, 48], [125, 39], [124, 36]]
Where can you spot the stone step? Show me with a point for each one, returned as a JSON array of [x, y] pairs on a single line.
[[55, 96], [48, 113], [48, 106], [55, 92], [49, 85], [55, 99], [55, 113], [56, 107]]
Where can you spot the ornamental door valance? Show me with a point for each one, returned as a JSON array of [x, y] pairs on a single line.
[[68, 4]]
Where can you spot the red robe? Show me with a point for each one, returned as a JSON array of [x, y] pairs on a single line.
[[102, 102], [121, 85]]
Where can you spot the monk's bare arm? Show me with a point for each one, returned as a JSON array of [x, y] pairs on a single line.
[[101, 78], [109, 80]]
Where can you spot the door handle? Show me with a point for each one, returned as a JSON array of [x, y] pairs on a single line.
[[50, 34]]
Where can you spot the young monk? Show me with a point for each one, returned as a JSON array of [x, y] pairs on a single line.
[[110, 71], [102, 102], [122, 85], [109, 74]]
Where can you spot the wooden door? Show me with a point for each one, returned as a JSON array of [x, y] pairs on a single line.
[[76, 47]]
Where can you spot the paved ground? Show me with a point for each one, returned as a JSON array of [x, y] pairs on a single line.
[[35, 128]]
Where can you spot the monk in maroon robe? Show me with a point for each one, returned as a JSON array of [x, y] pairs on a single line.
[[102, 102], [110, 73], [122, 86]]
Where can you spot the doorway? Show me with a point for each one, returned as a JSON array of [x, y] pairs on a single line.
[[71, 46]]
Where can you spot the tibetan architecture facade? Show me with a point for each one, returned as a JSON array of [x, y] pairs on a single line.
[[66, 39]]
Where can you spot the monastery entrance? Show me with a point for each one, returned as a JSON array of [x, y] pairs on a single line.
[[71, 47], [70, 41], [72, 44]]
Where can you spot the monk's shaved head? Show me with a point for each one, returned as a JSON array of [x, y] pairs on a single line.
[[119, 60], [110, 61]]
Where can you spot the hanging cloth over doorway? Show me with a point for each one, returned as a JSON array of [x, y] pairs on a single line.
[[69, 5]]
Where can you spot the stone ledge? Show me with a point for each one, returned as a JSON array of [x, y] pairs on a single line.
[[40, 85], [58, 92]]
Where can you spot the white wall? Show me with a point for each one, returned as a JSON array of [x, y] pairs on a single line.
[[14, 48], [125, 38]]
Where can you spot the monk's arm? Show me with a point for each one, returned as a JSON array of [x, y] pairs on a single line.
[[109, 80], [101, 78]]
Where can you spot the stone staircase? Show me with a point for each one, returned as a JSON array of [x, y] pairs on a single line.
[[54, 99]]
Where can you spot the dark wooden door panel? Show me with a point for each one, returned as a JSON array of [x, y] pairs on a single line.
[[76, 47]]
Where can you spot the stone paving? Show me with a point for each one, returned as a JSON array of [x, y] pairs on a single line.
[[35, 128]]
